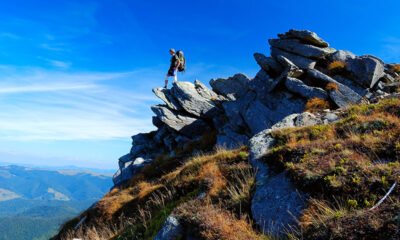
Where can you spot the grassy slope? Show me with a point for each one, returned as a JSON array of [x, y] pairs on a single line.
[[346, 167]]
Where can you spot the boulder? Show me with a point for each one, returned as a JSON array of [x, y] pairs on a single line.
[[291, 70], [263, 83], [232, 88], [204, 91], [343, 96], [234, 110], [190, 100], [257, 117], [230, 139], [305, 50], [166, 96], [299, 61], [305, 36], [268, 64], [352, 85], [276, 202], [184, 124], [366, 70], [297, 86], [341, 55]]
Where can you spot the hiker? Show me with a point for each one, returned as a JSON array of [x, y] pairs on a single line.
[[178, 63]]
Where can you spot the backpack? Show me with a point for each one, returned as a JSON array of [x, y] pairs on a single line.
[[182, 61]]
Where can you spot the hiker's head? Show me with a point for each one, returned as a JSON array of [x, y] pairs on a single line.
[[172, 51]]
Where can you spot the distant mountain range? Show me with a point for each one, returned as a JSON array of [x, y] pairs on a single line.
[[34, 202]]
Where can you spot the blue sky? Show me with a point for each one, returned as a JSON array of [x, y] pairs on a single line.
[[76, 76]]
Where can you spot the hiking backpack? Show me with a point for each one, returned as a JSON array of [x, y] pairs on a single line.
[[182, 61]]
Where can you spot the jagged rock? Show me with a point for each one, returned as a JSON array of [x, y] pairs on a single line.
[[341, 55], [232, 88], [297, 86], [388, 78], [291, 70], [276, 201], [263, 83], [282, 103], [299, 61], [190, 100], [186, 125], [366, 70], [296, 47], [128, 168], [234, 110], [305, 36], [166, 96], [268, 64], [343, 96], [257, 117], [230, 139], [352, 85], [204, 91], [171, 230], [161, 134]]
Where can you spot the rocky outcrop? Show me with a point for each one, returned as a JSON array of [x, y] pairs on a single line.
[[244, 111]]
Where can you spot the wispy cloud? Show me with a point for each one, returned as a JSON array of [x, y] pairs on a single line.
[[47, 105]]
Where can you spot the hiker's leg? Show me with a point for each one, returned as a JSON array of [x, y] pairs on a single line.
[[166, 81], [175, 75]]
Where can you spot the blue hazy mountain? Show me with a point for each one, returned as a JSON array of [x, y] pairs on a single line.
[[34, 202]]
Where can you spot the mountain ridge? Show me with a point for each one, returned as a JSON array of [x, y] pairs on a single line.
[[304, 85]]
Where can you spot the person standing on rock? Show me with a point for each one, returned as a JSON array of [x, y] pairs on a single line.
[[173, 69]]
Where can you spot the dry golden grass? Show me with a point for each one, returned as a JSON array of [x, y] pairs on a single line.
[[335, 65], [331, 87], [216, 223], [396, 68], [316, 104], [211, 174]]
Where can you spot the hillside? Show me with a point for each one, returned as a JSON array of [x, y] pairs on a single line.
[[34, 202], [307, 149]]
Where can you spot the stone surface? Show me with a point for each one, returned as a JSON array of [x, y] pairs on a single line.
[[366, 70], [230, 139], [299, 61], [268, 64], [263, 83], [190, 100], [171, 230], [297, 86], [352, 85], [186, 125], [204, 91], [166, 96], [305, 36], [257, 117], [276, 202], [305, 50], [232, 88], [344, 96], [342, 56]]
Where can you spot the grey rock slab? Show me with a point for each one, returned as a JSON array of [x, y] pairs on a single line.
[[263, 83], [190, 100], [166, 96], [184, 124], [299, 61], [297, 86], [257, 117], [268, 64], [232, 88], [305, 36], [204, 91], [360, 90], [171, 230], [344, 96], [230, 139], [276, 202], [341, 55], [305, 50], [366, 70]]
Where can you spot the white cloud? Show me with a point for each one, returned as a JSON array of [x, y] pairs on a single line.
[[48, 105]]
